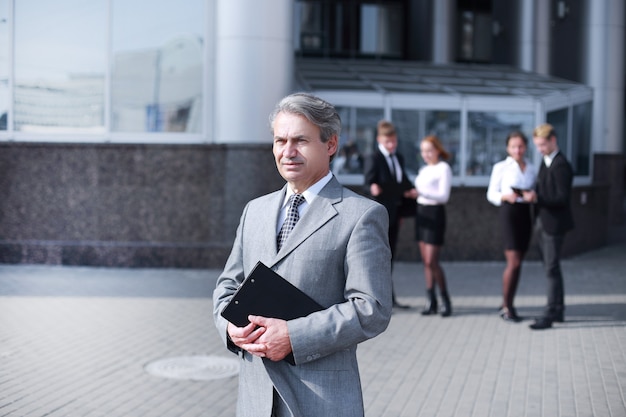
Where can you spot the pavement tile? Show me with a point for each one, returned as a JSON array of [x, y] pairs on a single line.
[[74, 341]]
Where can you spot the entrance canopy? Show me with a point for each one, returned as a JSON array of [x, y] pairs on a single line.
[[472, 108]]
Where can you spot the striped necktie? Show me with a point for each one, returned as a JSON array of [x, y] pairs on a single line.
[[292, 218]]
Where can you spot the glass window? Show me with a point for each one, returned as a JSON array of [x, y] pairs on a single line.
[[309, 25], [157, 49], [381, 29], [581, 138], [60, 61], [487, 132], [358, 138], [414, 125], [4, 63], [558, 120], [349, 27]]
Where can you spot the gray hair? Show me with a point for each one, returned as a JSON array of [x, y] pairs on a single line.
[[317, 111]]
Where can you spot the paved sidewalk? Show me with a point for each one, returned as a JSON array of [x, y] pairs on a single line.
[[75, 342]]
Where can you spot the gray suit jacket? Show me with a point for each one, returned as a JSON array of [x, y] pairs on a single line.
[[338, 254]]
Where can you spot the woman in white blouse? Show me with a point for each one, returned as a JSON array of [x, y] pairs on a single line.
[[509, 178], [432, 185]]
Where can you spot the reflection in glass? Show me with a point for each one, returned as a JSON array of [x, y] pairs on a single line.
[[4, 63], [487, 132], [414, 125], [60, 53], [358, 138], [558, 120], [581, 138], [381, 29], [309, 25], [156, 83]]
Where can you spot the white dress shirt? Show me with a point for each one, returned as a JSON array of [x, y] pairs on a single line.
[[309, 195], [433, 184], [507, 174], [394, 166], [549, 158]]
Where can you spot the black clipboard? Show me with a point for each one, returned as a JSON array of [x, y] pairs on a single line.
[[265, 293]]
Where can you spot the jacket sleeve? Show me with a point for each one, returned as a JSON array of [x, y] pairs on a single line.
[[227, 284], [494, 191], [366, 309]]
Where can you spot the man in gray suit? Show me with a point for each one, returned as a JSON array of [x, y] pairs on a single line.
[[338, 253]]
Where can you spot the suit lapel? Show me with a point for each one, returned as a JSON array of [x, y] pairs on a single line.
[[318, 214]]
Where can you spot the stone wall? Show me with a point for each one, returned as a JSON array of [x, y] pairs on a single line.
[[179, 206]]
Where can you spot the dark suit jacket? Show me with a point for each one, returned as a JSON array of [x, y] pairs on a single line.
[[554, 188], [377, 171]]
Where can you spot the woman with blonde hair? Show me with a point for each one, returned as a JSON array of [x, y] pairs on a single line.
[[433, 184]]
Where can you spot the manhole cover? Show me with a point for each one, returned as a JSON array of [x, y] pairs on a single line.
[[195, 368]]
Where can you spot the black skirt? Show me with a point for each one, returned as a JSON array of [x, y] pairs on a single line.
[[430, 224], [516, 224]]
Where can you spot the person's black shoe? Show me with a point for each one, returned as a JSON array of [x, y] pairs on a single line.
[[558, 317], [509, 315], [541, 323], [446, 307], [431, 303]]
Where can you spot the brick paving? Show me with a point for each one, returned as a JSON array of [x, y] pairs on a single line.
[[74, 341]]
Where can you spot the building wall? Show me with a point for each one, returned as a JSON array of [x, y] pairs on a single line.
[[126, 205], [179, 206]]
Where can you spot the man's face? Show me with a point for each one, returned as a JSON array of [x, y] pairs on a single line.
[[545, 146], [301, 157], [389, 142]]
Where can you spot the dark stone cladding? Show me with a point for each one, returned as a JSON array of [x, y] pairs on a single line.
[[127, 205], [121, 205]]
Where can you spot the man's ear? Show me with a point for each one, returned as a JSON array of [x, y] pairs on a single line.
[[332, 145]]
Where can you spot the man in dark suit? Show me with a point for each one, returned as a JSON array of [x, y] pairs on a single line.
[[552, 198], [387, 182]]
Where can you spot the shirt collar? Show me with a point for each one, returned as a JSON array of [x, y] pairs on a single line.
[[549, 158], [311, 192], [384, 151]]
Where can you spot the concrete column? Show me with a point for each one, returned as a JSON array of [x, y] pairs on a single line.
[[443, 31], [254, 63], [542, 19], [526, 47], [605, 73]]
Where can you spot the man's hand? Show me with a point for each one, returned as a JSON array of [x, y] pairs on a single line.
[[412, 193], [272, 342], [375, 190], [530, 196], [244, 336]]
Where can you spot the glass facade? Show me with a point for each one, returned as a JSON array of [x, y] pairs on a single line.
[[581, 138], [60, 65], [156, 81], [487, 132], [414, 125], [358, 138], [141, 71], [356, 28], [102, 66], [4, 63], [559, 119], [572, 125]]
